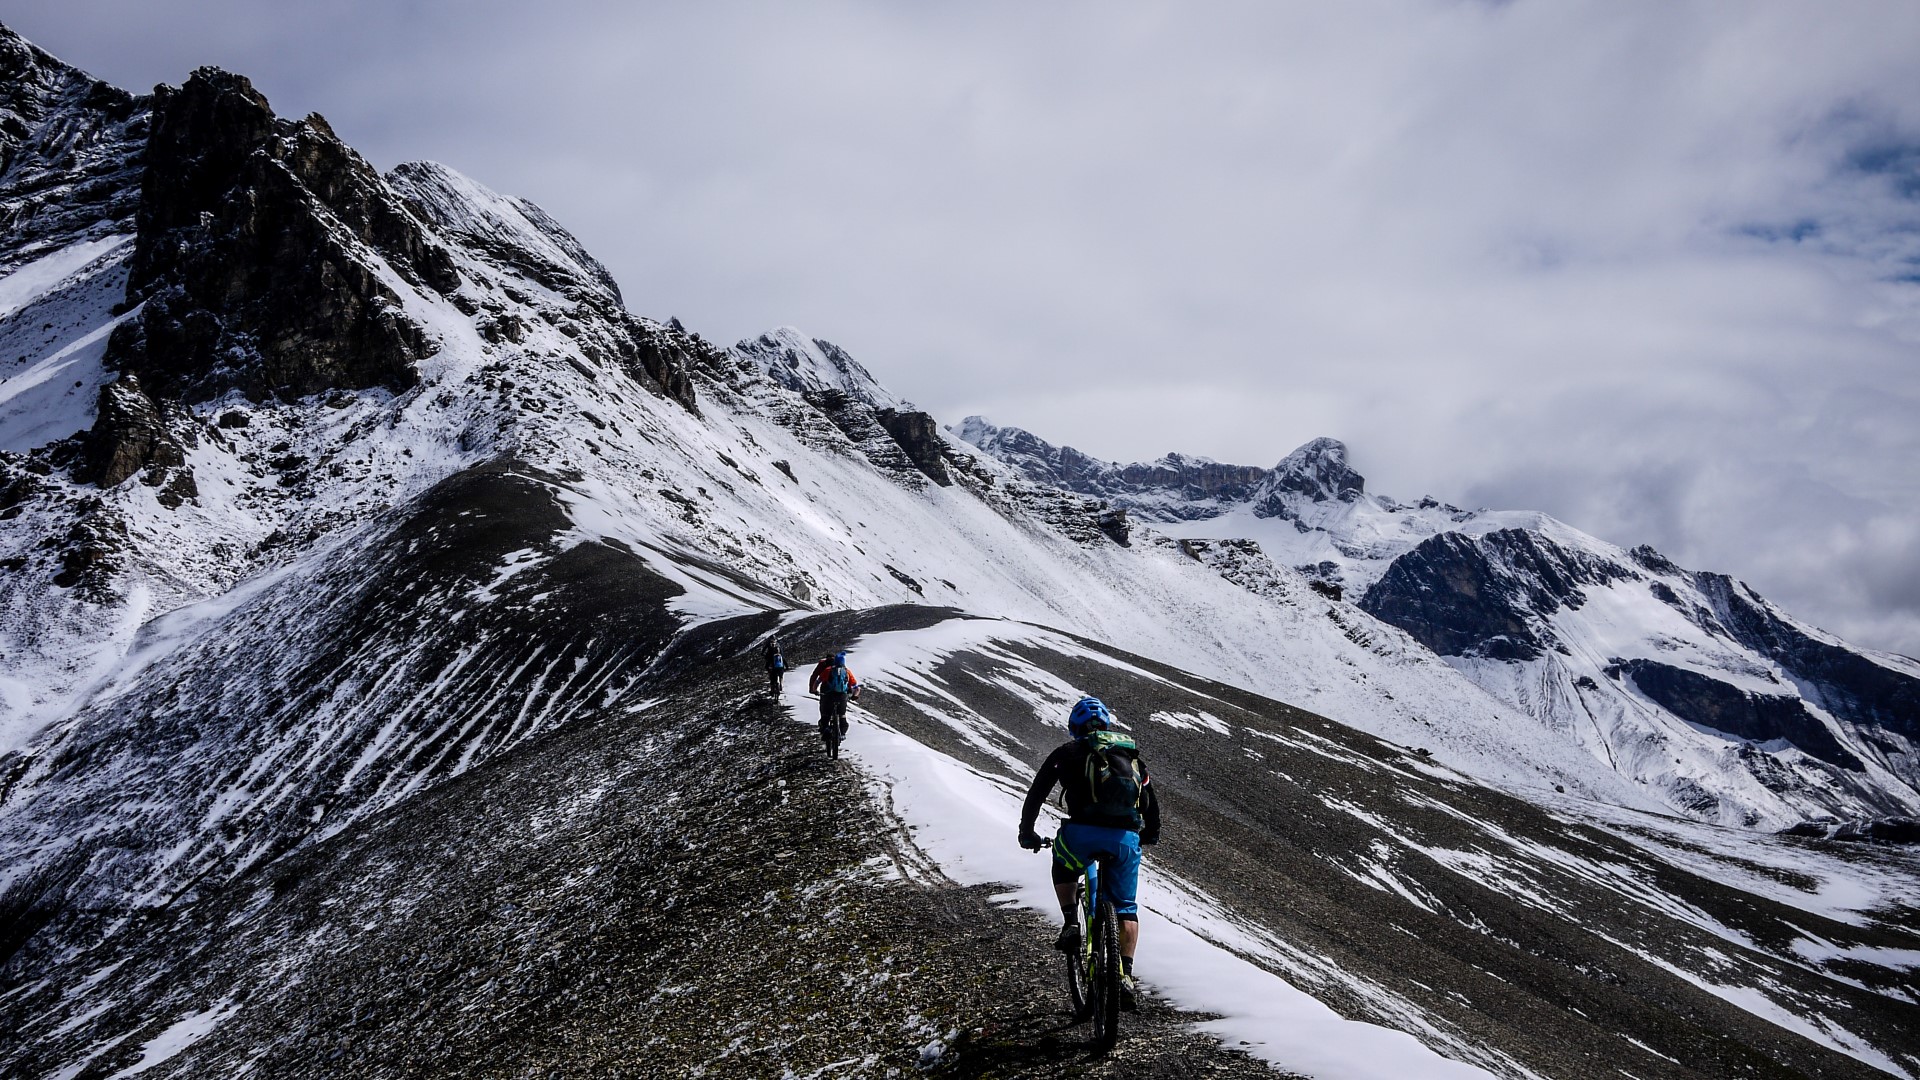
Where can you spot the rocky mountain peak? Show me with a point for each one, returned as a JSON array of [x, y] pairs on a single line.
[[252, 255], [1315, 473], [798, 362], [977, 430], [31, 82], [1319, 469]]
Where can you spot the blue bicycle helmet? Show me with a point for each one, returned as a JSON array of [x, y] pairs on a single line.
[[1089, 714]]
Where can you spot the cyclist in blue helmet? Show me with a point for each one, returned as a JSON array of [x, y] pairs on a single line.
[[1111, 810]]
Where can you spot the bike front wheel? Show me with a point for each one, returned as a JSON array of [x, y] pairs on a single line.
[[1079, 962]]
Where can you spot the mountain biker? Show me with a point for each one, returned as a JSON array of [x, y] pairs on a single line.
[[836, 686], [1099, 770], [776, 664]]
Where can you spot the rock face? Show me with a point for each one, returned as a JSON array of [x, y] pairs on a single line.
[[1843, 681], [1721, 706], [519, 238], [1485, 596], [249, 262], [70, 154], [131, 435], [919, 435], [510, 232], [811, 366]]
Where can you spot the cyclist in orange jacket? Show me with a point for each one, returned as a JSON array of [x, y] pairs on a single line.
[[836, 686]]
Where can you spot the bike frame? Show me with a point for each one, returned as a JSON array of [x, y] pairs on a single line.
[[1093, 974]]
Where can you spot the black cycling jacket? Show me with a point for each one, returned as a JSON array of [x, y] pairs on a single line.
[[1070, 760]]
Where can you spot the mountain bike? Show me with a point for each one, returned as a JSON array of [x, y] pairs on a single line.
[[830, 728], [1093, 972]]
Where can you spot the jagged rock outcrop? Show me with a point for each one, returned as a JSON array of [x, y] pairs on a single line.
[[1194, 477], [512, 233], [1846, 684], [919, 435], [132, 435], [255, 256], [520, 239], [663, 357], [811, 365]]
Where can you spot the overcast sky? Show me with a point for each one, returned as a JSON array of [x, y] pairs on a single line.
[[1653, 268]]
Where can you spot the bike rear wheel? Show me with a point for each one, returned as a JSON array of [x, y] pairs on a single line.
[[1106, 977]]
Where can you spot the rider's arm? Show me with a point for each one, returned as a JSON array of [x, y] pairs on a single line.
[[1041, 787], [1149, 807]]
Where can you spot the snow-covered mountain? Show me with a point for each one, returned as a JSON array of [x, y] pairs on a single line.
[[380, 598], [1687, 683]]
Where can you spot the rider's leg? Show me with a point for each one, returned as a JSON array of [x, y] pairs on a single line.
[[1126, 886]]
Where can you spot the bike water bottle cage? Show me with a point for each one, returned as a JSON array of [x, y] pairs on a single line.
[[1089, 714]]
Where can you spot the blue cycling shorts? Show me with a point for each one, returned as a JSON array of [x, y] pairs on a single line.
[[1077, 845]]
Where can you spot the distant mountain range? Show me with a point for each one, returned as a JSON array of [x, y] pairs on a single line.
[[1689, 683]]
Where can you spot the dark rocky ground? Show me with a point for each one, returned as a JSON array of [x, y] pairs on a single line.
[[1543, 958], [679, 884], [687, 890]]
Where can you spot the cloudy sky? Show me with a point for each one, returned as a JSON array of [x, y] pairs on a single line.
[[1654, 268]]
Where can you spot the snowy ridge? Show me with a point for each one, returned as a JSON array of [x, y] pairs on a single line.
[[513, 230]]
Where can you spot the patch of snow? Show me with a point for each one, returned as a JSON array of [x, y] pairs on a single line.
[[183, 1033], [45, 274]]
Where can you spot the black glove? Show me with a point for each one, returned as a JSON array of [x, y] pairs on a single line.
[[1148, 839], [1031, 840]]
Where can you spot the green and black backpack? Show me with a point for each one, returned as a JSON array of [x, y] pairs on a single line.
[[1112, 776]]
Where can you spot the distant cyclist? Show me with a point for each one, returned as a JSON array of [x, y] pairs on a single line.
[[776, 663], [1111, 811], [836, 686]]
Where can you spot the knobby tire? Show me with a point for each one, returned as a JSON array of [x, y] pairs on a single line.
[[1078, 960], [1106, 974]]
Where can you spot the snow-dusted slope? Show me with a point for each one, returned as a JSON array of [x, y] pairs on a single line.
[[225, 477], [1688, 684]]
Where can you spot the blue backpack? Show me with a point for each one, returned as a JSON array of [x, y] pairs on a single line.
[[838, 679]]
